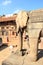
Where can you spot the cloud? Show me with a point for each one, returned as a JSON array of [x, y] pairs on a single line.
[[6, 2], [16, 11]]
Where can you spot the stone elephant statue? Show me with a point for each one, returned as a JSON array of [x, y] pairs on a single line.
[[23, 20]]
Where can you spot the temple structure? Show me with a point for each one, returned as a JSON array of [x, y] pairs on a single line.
[[7, 29]]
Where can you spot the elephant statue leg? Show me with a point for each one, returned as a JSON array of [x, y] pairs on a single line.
[[33, 49], [33, 33], [33, 42]]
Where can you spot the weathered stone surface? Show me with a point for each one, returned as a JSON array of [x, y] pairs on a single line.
[[36, 15], [33, 48], [14, 59]]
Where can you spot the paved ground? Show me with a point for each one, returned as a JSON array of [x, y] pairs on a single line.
[[17, 59], [5, 53]]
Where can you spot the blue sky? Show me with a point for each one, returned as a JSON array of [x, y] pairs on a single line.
[[13, 6]]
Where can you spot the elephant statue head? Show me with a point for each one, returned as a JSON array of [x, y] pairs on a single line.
[[21, 19]]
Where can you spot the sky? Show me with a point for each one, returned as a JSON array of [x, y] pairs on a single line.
[[13, 6]]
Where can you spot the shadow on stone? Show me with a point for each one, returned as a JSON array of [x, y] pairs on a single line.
[[40, 53], [23, 51], [3, 47]]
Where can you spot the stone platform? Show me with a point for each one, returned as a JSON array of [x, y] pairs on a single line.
[[17, 59]]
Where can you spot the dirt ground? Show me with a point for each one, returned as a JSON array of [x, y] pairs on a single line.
[[5, 53]]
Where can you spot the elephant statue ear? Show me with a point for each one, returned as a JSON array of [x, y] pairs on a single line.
[[21, 19]]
